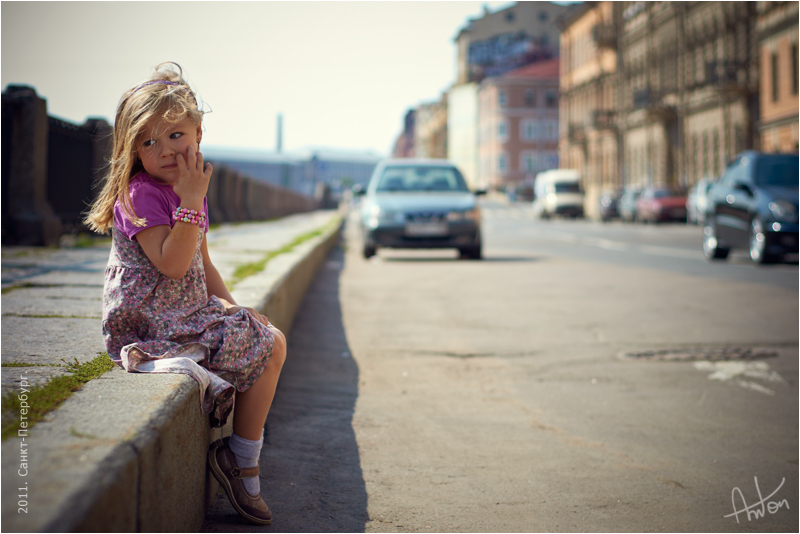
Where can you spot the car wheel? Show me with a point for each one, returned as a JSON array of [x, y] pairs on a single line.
[[369, 251], [758, 243], [470, 253], [711, 248]]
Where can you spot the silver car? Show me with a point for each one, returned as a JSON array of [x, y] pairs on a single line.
[[420, 203]]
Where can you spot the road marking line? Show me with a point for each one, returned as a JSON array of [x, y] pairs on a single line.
[[737, 371]]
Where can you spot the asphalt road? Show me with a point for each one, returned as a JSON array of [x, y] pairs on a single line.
[[549, 387]]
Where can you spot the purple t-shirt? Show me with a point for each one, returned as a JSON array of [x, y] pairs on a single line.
[[151, 200]]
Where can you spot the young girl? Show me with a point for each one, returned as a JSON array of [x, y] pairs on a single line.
[[164, 301]]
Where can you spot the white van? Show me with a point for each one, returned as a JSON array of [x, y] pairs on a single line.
[[558, 192]]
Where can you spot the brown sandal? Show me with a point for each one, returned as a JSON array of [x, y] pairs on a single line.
[[222, 462]]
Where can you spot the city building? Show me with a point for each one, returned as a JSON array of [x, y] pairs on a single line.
[[490, 46], [462, 131], [777, 30], [688, 91], [507, 39], [588, 133], [404, 144], [430, 129], [719, 74], [518, 125]]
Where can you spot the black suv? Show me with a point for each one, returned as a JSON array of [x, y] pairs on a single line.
[[754, 206]]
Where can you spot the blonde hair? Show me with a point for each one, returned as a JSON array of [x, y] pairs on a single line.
[[165, 95]]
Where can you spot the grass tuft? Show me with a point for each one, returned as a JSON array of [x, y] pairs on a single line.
[[45, 398], [249, 269]]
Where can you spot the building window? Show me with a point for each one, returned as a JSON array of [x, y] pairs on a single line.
[[502, 163], [502, 131], [528, 133], [716, 153], [551, 100], [501, 98], [551, 160], [774, 76], [794, 68], [552, 130], [528, 162], [530, 100]]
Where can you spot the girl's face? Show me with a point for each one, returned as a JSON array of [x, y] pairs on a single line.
[[160, 143]]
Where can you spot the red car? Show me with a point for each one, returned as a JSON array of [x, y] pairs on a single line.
[[659, 203]]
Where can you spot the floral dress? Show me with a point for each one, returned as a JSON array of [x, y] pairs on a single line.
[[152, 323]]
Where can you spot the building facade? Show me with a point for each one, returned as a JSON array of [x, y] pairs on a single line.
[[498, 42], [777, 29], [490, 46], [588, 133], [462, 131], [404, 144], [518, 125], [430, 130], [688, 89]]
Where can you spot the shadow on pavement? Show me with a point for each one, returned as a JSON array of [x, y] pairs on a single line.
[[310, 467]]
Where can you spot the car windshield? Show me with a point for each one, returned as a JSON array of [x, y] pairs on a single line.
[[778, 170], [567, 187], [419, 178]]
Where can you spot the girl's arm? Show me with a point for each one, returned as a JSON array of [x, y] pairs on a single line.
[[216, 287], [170, 249]]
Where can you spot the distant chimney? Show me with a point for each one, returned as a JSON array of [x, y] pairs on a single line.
[[279, 145]]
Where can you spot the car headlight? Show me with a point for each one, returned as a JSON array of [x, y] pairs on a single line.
[[783, 211], [378, 216], [462, 215]]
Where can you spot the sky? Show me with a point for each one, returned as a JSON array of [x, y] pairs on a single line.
[[342, 74]]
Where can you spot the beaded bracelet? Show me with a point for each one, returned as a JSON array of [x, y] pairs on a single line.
[[189, 216]]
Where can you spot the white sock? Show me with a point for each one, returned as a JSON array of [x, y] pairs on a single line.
[[247, 453]]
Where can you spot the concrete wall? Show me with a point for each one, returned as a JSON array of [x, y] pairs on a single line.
[[128, 452], [51, 171]]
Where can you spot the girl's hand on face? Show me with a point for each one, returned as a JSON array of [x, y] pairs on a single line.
[[193, 179]]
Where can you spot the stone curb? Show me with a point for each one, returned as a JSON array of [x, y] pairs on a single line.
[[128, 451]]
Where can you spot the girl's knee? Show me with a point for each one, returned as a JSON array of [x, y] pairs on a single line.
[[278, 347]]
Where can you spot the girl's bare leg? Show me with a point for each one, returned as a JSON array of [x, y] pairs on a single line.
[[252, 406]]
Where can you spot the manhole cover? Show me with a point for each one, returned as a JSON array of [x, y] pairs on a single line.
[[708, 354]]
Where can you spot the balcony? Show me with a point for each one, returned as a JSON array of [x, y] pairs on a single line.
[[605, 35], [604, 119], [652, 102], [727, 76]]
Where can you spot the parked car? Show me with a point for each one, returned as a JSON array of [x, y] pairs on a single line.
[[608, 204], [754, 206], [420, 203], [558, 193], [659, 203], [697, 201], [520, 193], [627, 204]]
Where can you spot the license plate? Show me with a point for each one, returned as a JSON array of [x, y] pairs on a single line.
[[426, 229]]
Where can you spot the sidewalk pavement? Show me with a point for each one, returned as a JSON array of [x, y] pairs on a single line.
[[127, 451]]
